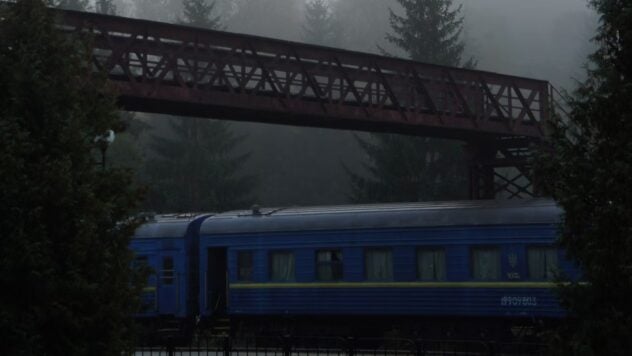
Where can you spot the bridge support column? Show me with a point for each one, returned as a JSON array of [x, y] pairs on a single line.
[[481, 172], [499, 168]]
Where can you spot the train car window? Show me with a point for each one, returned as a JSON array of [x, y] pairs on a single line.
[[168, 273], [378, 264], [140, 262], [431, 264], [542, 262], [486, 263], [282, 267], [329, 265], [244, 266]]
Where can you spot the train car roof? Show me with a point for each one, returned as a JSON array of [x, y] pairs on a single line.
[[166, 226], [400, 215]]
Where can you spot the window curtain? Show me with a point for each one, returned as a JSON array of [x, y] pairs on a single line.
[[431, 264], [379, 265], [325, 270], [542, 262], [486, 264], [244, 264], [282, 267]]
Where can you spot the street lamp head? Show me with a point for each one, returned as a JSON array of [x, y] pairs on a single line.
[[107, 138], [102, 142]]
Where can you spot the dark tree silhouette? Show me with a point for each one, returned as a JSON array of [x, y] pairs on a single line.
[[430, 32], [404, 168], [105, 7], [195, 167], [320, 26], [77, 5], [199, 13], [589, 173], [67, 287]]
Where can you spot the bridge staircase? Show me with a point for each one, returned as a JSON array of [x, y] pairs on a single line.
[[502, 167]]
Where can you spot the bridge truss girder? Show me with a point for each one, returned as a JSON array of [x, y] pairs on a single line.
[[173, 69]]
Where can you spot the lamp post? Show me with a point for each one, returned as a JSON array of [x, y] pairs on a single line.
[[103, 142]]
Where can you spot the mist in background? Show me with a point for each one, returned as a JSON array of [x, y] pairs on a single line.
[[540, 39]]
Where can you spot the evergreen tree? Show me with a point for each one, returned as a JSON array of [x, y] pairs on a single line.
[[158, 10], [429, 32], [404, 168], [268, 18], [320, 27], [67, 288], [199, 13], [590, 174], [106, 7], [409, 169], [77, 5], [364, 22], [195, 168]]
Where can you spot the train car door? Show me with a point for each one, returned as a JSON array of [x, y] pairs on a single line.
[[167, 286], [149, 296], [216, 291]]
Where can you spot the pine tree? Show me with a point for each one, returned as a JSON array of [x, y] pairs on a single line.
[[67, 288], [199, 13], [589, 173], [269, 18], [77, 5], [404, 168], [363, 22], [320, 27], [408, 169], [195, 167], [430, 32], [106, 7], [158, 10]]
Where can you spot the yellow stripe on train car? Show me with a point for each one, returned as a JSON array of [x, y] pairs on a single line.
[[395, 285]]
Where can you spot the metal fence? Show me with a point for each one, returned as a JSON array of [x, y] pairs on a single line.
[[310, 346]]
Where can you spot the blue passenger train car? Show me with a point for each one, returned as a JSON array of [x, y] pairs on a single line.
[[335, 270], [480, 259]]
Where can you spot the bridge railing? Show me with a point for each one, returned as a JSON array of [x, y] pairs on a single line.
[[218, 72]]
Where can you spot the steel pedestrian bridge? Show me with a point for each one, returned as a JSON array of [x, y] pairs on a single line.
[[174, 69]]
